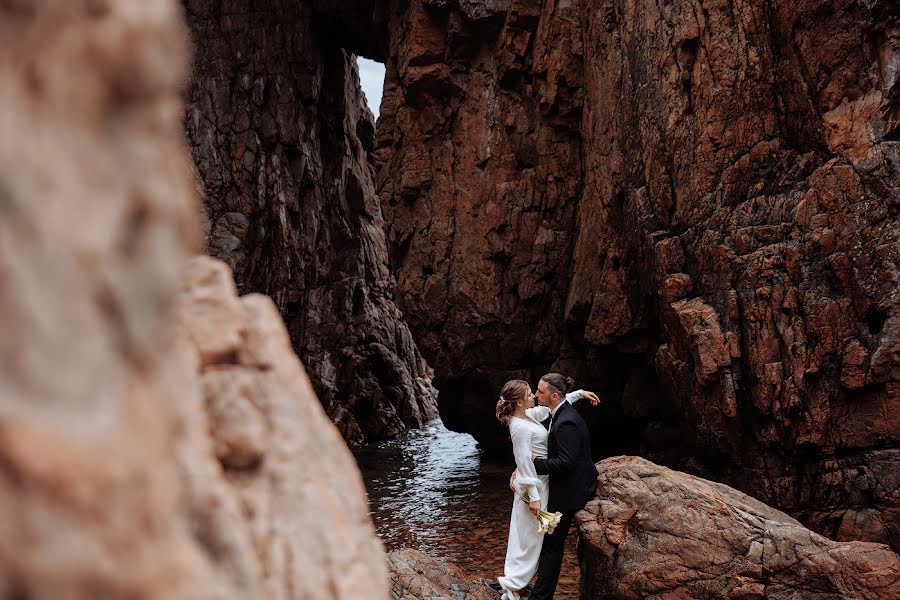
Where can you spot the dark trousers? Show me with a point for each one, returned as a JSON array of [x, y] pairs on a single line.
[[550, 561]]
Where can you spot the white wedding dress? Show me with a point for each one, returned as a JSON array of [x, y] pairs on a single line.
[[524, 545]]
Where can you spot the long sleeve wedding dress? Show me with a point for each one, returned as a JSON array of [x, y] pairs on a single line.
[[523, 547]]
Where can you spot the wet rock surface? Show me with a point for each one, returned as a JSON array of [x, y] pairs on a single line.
[[416, 576], [656, 533], [281, 138]]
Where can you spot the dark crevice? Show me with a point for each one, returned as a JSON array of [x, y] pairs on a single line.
[[875, 319]]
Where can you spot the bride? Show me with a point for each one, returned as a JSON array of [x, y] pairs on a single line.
[[529, 438]]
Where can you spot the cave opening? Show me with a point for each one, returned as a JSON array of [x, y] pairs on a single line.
[[636, 415]]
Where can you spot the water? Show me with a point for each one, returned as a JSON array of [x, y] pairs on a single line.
[[431, 490]]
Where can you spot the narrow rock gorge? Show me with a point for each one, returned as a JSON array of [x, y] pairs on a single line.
[[692, 207], [689, 206]]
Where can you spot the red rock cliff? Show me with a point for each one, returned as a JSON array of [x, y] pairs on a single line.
[[691, 206]]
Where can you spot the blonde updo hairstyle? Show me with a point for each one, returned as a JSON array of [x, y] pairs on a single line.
[[513, 392]]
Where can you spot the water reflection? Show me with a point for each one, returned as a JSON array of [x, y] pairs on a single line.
[[431, 490]]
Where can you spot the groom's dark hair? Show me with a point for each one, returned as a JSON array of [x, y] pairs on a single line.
[[558, 383]]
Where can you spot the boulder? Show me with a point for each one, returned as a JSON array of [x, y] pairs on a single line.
[[652, 532], [416, 576]]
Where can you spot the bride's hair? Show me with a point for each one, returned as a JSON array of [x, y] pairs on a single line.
[[513, 391], [558, 383]]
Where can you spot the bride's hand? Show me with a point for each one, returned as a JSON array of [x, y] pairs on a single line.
[[535, 507], [512, 482], [593, 398]]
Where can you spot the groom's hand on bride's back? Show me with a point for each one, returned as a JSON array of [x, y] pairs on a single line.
[[593, 398]]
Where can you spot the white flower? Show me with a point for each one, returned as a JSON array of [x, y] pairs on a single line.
[[547, 522], [550, 520]]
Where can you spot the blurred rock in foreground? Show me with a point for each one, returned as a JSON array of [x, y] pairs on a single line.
[[140, 457], [273, 494]]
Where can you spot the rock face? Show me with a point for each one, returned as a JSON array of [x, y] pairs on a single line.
[[416, 576], [689, 206], [152, 445], [480, 173], [281, 139], [656, 533]]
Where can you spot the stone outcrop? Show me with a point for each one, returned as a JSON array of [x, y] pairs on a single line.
[[281, 140], [272, 494], [691, 207], [152, 444], [656, 533], [415, 576]]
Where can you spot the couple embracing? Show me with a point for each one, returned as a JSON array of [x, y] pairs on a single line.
[[554, 468]]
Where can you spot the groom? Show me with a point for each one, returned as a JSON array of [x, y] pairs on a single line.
[[573, 476]]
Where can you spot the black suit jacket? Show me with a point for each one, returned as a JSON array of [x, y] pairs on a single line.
[[573, 476]]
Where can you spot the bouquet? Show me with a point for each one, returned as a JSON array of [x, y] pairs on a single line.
[[547, 522]]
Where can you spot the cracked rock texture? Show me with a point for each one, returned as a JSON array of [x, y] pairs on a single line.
[[281, 140], [480, 173], [158, 436], [656, 533], [689, 206]]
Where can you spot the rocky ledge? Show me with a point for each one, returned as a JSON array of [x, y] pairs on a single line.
[[416, 575], [656, 533]]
